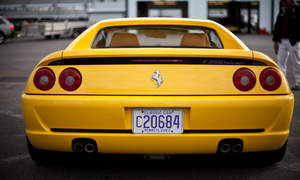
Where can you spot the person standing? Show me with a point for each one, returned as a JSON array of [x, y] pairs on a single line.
[[286, 37]]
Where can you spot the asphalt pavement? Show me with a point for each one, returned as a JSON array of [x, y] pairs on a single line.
[[17, 60]]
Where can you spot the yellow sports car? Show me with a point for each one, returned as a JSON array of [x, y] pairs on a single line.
[[157, 86]]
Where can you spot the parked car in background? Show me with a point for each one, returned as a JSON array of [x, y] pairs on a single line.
[[6, 29], [57, 29]]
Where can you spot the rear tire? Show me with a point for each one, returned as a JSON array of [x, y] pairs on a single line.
[[270, 157], [273, 157], [39, 156], [2, 38], [48, 37], [75, 34]]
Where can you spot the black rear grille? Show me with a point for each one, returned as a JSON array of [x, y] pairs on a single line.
[[194, 131], [156, 60]]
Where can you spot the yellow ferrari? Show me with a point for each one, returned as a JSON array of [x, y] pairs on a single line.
[[157, 86]]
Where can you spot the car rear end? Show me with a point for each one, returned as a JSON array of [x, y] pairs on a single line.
[[157, 100], [217, 98], [6, 29]]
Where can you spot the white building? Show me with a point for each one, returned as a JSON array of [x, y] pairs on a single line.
[[263, 13], [231, 13], [249, 16]]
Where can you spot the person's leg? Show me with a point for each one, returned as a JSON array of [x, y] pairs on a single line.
[[295, 58], [282, 55]]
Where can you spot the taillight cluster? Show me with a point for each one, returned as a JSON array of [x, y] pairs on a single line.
[[44, 79], [69, 79], [244, 79], [270, 79]]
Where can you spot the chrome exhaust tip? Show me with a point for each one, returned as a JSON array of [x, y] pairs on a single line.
[[237, 148], [78, 147], [84, 145], [89, 148], [225, 148]]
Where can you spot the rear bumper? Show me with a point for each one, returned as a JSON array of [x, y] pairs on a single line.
[[158, 144], [208, 119]]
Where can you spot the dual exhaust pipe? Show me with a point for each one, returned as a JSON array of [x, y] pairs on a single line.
[[84, 146], [227, 146]]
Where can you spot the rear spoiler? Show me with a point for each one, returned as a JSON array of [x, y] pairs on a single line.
[[157, 56]]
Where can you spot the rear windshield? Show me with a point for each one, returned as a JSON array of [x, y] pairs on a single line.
[[157, 36]]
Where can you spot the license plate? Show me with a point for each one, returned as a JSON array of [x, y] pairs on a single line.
[[157, 121]]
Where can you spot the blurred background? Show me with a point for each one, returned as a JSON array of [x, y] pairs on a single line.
[[57, 18], [26, 26]]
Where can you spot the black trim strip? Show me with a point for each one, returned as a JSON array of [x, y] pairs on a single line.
[[132, 60], [185, 131], [92, 130], [224, 131]]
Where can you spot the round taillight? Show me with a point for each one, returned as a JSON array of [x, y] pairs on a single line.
[[270, 79], [70, 79], [244, 79], [44, 79]]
